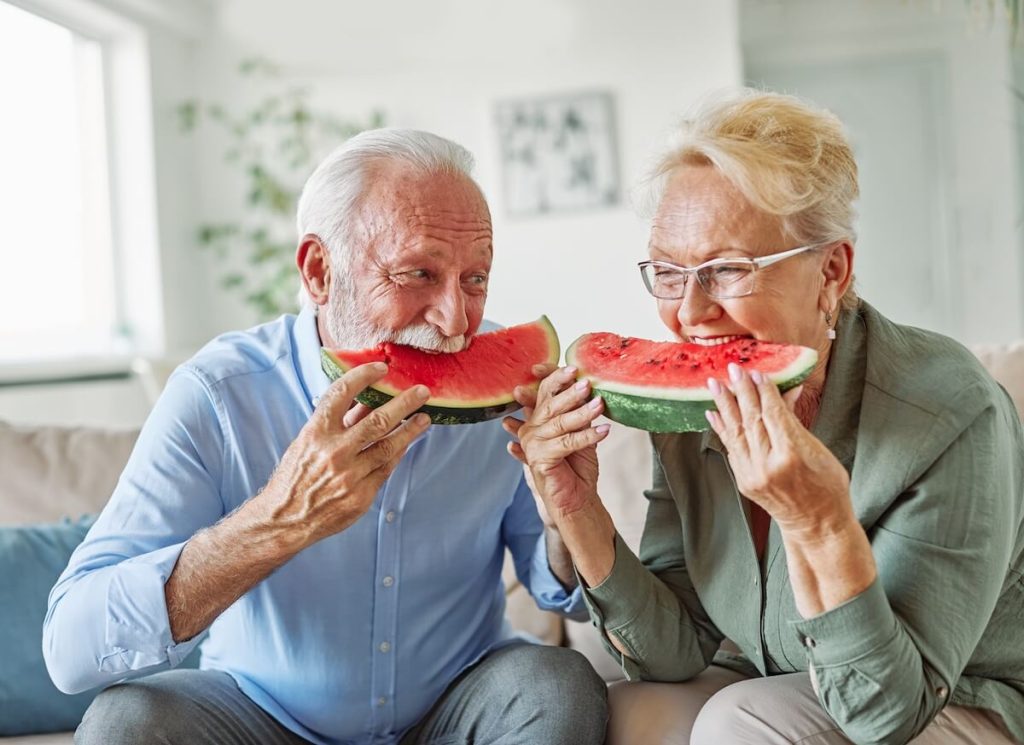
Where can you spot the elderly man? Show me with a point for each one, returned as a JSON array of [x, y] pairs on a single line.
[[343, 567]]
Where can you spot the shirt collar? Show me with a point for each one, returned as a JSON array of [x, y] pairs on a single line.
[[306, 346]]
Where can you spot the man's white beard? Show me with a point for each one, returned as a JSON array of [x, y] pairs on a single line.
[[350, 329]]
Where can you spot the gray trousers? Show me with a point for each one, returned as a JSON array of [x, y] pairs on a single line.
[[722, 707], [524, 694]]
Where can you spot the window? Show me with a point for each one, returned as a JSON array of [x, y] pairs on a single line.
[[76, 176]]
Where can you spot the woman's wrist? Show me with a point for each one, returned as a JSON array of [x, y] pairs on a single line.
[[589, 535], [830, 562]]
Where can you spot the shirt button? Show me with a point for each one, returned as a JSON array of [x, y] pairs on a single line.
[[390, 516], [809, 642], [388, 581], [316, 400], [384, 647], [942, 691], [382, 700]]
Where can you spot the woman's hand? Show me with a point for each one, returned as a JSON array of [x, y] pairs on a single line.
[[777, 463], [557, 441]]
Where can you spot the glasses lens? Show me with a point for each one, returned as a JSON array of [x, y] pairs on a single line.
[[663, 282], [729, 279]]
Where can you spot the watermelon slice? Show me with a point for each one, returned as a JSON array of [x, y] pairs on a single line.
[[662, 386], [470, 386]]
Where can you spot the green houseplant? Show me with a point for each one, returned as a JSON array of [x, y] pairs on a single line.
[[271, 147]]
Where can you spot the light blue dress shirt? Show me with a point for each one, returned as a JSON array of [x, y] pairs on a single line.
[[356, 637]]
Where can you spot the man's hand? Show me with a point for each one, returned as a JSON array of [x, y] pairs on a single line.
[[325, 482], [329, 476]]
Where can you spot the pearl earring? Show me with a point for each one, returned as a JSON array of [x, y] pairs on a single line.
[[831, 333]]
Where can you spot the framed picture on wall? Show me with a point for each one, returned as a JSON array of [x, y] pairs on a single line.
[[558, 153]]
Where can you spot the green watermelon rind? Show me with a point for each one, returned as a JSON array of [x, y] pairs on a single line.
[[661, 410], [445, 410]]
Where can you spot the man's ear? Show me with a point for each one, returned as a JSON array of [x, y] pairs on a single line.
[[314, 263], [838, 274]]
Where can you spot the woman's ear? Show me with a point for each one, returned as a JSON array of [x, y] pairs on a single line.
[[314, 263], [837, 272]]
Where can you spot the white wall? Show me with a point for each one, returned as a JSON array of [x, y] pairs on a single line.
[[442, 65], [941, 217]]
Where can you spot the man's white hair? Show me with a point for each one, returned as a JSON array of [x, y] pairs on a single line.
[[331, 195]]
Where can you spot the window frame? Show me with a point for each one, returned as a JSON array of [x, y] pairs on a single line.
[[130, 166]]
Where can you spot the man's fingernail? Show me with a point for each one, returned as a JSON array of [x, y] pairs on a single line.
[[735, 373], [381, 367], [582, 385], [595, 403], [421, 420], [603, 428], [756, 377], [422, 391], [570, 370], [714, 387]]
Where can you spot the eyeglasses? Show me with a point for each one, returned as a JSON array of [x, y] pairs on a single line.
[[721, 279]]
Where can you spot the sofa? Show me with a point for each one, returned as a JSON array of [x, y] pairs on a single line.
[[52, 473]]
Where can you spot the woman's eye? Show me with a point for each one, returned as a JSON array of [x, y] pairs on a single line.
[[729, 271]]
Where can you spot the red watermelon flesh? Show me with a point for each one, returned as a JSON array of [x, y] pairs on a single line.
[[482, 375], [679, 370], [662, 386]]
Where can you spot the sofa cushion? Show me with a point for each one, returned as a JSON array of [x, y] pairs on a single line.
[[55, 472], [1006, 363], [31, 559]]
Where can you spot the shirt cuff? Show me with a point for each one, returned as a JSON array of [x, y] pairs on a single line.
[[548, 591], [623, 594], [856, 628], [138, 630]]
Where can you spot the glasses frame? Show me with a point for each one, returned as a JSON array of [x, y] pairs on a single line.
[[756, 264]]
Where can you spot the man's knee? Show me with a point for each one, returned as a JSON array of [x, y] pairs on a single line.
[[559, 686], [152, 710]]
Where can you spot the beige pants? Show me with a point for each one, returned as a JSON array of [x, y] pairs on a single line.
[[721, 707]]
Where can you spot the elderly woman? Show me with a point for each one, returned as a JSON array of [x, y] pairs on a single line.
[[859, 539]]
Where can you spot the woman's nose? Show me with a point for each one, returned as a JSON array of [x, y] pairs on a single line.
[[696, 307]]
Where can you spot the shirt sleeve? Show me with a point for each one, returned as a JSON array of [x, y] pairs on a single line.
[[523, 532], [649, 601], [107, 617], [885, 662]]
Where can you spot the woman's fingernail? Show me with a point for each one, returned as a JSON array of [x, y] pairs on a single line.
[[595, 403], [381, 367], [735, 373], [714, 387], [582, 385], [756, 377]]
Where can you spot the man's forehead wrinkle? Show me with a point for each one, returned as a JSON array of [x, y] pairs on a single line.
[[449, 219]]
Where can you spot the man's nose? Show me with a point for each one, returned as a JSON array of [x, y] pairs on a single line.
[[448, 312]]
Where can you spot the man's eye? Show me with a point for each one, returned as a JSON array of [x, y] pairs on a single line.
[[413, 277], [478, 279]]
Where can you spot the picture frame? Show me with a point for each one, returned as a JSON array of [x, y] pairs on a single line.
[[558, 153]]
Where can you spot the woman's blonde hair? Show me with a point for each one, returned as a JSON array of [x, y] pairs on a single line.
[[787, 157]]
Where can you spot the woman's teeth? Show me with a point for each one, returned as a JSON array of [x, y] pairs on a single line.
[[716, 340]]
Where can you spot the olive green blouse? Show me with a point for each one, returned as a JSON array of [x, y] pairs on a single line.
[[935, 454]]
